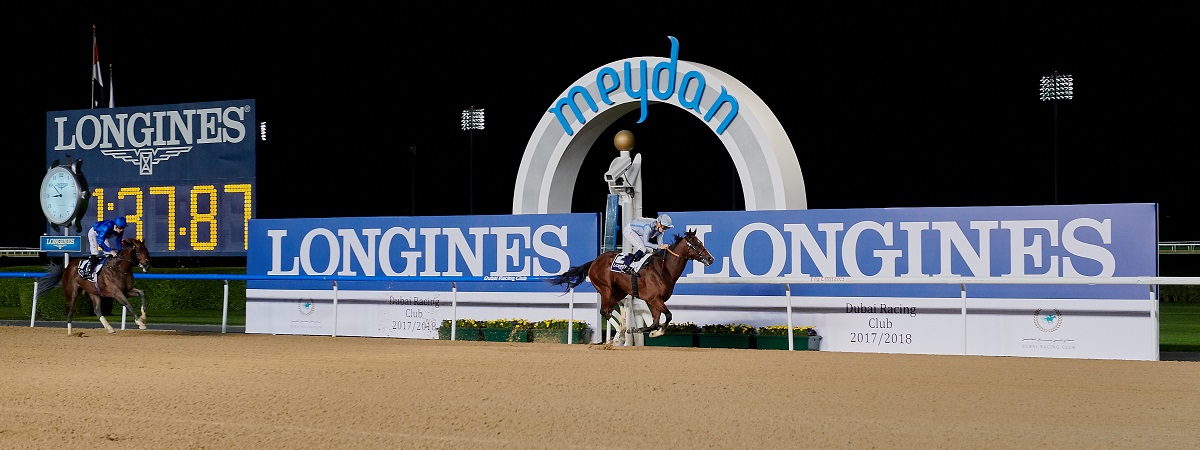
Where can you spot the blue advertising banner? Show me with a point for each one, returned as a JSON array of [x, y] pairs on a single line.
[[377, 252], [183, 175], [60, 244], [398, 276], [1024, 241]]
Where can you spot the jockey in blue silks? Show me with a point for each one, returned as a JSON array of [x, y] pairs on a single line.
[[101, 232]]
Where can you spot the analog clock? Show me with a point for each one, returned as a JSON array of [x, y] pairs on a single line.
[[63, 194]]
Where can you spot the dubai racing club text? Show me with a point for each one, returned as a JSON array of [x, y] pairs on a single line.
[[880, 326]]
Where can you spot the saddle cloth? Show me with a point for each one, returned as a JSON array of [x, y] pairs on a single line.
[[619, 265], [87, 271]]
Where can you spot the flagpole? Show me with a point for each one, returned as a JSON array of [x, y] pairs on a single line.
[[92, 103], [110, 87]]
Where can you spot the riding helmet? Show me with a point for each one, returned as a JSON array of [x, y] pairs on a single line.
[[119, 222], [665, 221]]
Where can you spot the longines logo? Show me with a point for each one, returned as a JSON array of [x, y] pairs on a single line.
[[146, 139], [1047, 321], [59, 243]]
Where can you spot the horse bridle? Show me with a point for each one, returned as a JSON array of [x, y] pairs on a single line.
[[691, 247], [133, 250]]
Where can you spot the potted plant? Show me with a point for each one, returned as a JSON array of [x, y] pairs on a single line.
[[464, 330], [506, 330], [774, 337], [725, 335], [555, 331], [681, 334]]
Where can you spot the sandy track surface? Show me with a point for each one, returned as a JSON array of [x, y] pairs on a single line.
[[165, 389]]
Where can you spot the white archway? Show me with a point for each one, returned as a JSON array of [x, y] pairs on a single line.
[[761, 151]]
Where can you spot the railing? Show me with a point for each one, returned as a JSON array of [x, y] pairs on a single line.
[[785, 282], [1190, 248], [333, 279]]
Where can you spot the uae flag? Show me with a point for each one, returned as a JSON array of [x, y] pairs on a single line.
[[96, 60]]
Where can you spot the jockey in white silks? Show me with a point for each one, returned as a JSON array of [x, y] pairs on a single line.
[[645, 235]]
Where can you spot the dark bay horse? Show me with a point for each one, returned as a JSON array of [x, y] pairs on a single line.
[[115, 280], [655, 281]]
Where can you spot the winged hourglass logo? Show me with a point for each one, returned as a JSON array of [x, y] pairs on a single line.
[[146, 158]]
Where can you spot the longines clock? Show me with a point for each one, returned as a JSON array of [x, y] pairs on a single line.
[[64, 194]]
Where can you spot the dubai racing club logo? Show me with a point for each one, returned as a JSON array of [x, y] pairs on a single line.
[[1046, 320], [306, 307]]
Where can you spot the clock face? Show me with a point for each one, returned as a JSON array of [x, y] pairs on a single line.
[[60, 195]]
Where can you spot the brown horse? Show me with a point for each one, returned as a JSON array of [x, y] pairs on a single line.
[[115, 280], [655, 281]]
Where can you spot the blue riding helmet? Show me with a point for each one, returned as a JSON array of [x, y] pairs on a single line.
[[665, 221], [120, 222]]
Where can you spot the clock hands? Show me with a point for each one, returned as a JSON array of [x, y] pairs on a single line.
[[59, 194]]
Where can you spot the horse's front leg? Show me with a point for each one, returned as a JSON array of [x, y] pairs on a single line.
[[140, 321], [142, 294]]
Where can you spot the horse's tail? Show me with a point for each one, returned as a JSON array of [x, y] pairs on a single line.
[[573, 276], [53, 278]]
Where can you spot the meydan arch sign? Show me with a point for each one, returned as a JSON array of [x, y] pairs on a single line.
[[756, 141]]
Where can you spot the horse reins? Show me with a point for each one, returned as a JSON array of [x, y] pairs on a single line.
[[689, 244]]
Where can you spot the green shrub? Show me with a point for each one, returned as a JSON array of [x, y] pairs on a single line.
[[160, 294], [727, 328], [10, 288], [681, 328], [781, 330], [512, 323], [559, 324], [1180, 294]]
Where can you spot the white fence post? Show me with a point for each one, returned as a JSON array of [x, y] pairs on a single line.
[[33, 311], [225, 308], [335, 308]]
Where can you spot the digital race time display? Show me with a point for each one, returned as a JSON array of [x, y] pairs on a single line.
[[182, 175], [182, 219]]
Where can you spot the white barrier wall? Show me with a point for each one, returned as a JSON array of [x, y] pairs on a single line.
[[403, 314], [918, 264]]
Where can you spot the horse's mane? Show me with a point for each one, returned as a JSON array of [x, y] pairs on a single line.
[[127, 246], [679, 237]]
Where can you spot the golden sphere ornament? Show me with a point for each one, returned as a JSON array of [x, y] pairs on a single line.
[[623, 140]]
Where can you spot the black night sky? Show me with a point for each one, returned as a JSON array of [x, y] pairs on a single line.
[[886, 106]]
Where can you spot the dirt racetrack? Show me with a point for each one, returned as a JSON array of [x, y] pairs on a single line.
[[158, 389]]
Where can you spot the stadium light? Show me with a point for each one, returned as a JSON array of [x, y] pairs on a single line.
[[1057, 87], [472, 119]]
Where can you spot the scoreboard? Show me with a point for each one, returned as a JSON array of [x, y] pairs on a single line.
[[183, 175]]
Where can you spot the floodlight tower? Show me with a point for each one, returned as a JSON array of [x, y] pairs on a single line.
[[472, 119], [1057, 87]]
